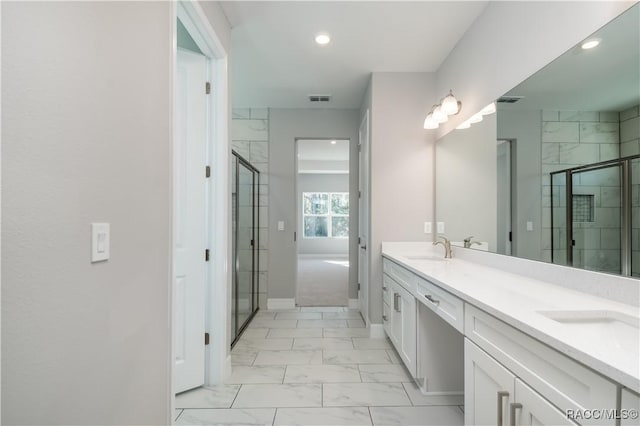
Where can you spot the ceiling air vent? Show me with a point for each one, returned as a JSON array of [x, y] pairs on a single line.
[[319, 98], [509, 99]]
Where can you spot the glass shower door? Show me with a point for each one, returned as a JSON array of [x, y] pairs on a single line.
[[596, 219]]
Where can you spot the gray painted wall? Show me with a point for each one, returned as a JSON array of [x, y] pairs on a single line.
[[86, 111], [401, 168], [285, 126], [321, 183]]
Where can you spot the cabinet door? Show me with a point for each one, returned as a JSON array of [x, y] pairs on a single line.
[[395, 317], [533, 409], [386, 318], [488, 388], [407, 306], [630, 404]]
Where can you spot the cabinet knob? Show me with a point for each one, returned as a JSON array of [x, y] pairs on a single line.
[[384, 318], [501, 395], [432, 300], [514, 406]]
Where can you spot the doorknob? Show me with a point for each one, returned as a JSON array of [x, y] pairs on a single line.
[[364, 247]]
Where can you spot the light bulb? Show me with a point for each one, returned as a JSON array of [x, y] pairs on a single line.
[[464, 125], [489, 109], [450, 104], [476, 118], [323, 38], [439, 116], [429, 122], [590, 44]]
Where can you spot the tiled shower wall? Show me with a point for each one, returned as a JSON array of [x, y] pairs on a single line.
[[576, 138], [250, 139], [630, 145]]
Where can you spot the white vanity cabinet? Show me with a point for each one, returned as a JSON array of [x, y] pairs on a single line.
[[489, 388], [630, 406], [403, 325]]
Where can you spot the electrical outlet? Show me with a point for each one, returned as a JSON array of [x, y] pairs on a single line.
[[427, 227], [440, 227]]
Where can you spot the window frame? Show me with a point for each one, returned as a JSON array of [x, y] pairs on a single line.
[[329, 215]]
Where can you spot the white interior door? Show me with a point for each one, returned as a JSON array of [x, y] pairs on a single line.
[[504, 197], [190, 220], [363, 209]]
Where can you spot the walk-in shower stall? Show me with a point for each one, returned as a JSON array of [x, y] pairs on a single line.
[[595, 216], [244, 293]]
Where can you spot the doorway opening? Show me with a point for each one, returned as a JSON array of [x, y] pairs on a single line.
[[322, 195], [505, 196]]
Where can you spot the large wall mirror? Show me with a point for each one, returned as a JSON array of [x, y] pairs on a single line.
[[554, 175]]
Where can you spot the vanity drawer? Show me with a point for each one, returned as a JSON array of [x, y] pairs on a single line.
[[443, 303], [561, 380], [400, 274], [387, 293]]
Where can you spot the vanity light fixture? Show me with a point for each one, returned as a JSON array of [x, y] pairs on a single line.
[[439, 116], [430, 123], [489, 109], [590, 44], [450, 105], [323, 39], [440, 113]]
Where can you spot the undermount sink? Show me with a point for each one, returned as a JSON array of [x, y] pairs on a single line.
[[610, 327]]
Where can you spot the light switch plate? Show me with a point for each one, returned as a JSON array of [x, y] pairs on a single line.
[[427, 227], [440, 227], [100, 242], [281, 225], [529, 226]]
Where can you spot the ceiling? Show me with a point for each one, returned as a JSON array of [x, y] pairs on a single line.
[[606, 78], [276, 62], [322, 156]]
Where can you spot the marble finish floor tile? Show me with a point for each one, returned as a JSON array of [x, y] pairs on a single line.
[[364, 395], [418, 398], [294, 332], [323, 309], [288, 357], [322, 343], [322, 323], [436, 416], [209, 397], [230, 416], [298, 315], [366, 343], [357, 323], [344, 416], [346, 332], [242, 374], [393, 355], [254, 333], [356, 356], [283, 395], [251, 344], [384, 373], [342, 315], [321, 374], [262, 315], [243, 357], [273, 323]]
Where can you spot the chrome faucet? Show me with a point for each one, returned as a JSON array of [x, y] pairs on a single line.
[[447, 246], [468, 243]]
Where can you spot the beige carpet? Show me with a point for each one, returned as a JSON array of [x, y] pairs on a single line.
[[323, 281]]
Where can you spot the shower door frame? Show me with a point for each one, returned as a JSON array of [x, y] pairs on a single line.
[[255, 236], [626, 208]]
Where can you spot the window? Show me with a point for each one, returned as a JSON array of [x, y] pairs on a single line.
[[325, 214]]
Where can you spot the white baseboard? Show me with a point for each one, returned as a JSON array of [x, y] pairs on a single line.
[[376, 331], [281, 304], [354, 303]]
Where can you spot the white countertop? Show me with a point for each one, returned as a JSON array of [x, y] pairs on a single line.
[[610, 346]]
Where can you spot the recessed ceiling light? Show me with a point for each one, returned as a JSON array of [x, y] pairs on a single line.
[[590, 44], [333, 142], [323, 38]]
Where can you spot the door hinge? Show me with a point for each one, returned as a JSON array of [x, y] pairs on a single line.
[[206, 339], [206, 255], [358, 286], [207, 88], [510, 236], [359, 194], [359, 147], [358, 240], [207, 171]]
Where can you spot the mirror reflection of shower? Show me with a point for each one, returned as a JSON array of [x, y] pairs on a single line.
[[595, 216], [323, 222]]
